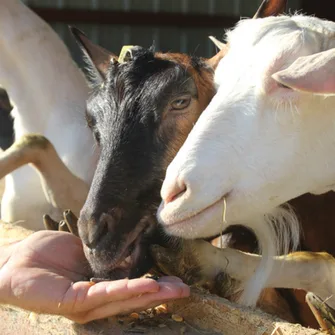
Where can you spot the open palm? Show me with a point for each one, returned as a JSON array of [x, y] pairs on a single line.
[[46, 273]]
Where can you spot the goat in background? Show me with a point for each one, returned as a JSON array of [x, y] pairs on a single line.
[[49, 95]]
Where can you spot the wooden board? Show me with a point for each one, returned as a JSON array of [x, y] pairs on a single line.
[[202, 313]]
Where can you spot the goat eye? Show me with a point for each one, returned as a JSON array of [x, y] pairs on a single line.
[[181, 103], [89, 120], [283, 86]]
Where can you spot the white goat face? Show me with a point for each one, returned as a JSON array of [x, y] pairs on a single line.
[[259, 143]]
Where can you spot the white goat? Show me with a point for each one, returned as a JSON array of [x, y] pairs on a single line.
[[267, 136], [49, 94]]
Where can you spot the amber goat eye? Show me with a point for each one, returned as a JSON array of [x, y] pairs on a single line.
[[181, 103]]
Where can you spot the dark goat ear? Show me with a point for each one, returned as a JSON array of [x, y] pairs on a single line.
[[270, 8], [98, 57]]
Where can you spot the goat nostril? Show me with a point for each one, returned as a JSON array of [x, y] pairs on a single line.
[[96, 230], [175, 192]]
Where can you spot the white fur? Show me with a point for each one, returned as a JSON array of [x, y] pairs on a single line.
[[257, 144], [49, 93]]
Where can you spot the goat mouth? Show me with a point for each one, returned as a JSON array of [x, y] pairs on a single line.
[[195, 225], [121, 265], [198, 213]]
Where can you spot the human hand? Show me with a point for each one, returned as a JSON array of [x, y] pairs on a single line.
[[44, 273]]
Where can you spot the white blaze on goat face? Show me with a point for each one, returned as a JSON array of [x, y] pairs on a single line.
[[258, 144]]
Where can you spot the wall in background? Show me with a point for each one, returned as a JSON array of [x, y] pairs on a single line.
[[188, 38]]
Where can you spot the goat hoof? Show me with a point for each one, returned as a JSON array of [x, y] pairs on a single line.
[[49, 223], [166, 260], [322, 312], [63, 226], [224, 286], [180, 263], [71, 221]]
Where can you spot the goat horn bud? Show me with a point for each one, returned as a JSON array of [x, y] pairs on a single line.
[[125, 54], [219, 44]]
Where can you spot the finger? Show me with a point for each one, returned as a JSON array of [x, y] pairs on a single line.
[[168, 291], [82, 296]]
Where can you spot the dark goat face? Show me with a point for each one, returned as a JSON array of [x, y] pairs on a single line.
[[140, 113]]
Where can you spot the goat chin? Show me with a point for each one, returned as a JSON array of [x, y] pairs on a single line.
[[278, 233]]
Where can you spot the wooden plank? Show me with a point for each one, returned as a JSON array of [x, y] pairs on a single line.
[[212, 313], [202, 314]]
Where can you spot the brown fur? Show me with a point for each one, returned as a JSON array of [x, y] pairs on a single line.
[[203, 79]]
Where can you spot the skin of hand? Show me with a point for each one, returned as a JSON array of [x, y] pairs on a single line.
[[44, 273]]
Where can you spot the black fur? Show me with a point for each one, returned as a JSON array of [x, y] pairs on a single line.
[[125, 115]]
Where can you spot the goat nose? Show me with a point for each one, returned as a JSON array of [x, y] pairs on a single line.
[[173, 190], [97, 229]]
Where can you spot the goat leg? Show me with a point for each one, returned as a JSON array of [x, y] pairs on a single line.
[[309, 271], [322, 312], [61, 187]]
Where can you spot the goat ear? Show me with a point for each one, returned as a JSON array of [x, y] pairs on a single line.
[[98, 57], [270, 8], [215, 60], [314, 73]]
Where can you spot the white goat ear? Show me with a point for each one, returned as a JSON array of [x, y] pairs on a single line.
[[314, 73], [98, 57], [270, 8]]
